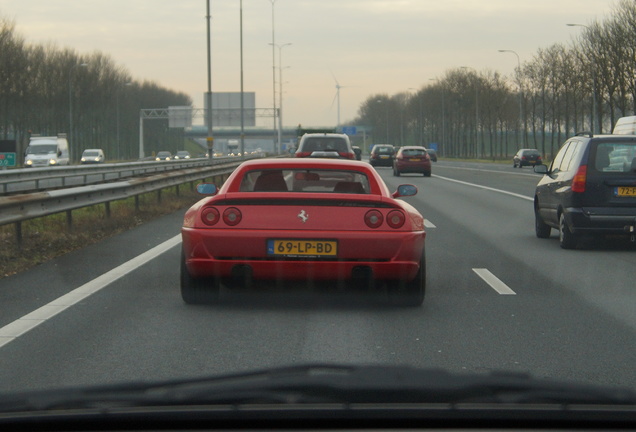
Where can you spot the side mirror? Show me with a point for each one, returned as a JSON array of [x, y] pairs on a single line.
[[59, 153], [405, 190], [541, 169], [207, 189]]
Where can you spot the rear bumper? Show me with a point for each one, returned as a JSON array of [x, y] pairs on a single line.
[[601, 220], [381, 162], [224, 253], [413, 168]]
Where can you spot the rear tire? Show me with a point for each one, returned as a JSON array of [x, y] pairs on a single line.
[[567, 239], [541, 229], [410, 293], [427, 173], [197, 290]]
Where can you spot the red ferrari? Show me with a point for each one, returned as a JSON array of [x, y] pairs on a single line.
[[303, 220]]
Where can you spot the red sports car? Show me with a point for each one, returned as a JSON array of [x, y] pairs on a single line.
[[299, 220]]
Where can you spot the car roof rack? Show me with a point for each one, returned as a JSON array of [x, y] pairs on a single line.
[[585, 133]]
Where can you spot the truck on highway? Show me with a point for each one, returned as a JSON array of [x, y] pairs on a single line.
[[46, 151]]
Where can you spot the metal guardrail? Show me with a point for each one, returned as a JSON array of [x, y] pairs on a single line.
[[36, 179], [18, 208]]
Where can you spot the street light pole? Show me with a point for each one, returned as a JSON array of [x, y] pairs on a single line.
[[273, 44], [70, 103], [476, 112], [594, 120], [208, 95], [242, 143], [117, 102], [522, 119], [280, 93], [420, 121]]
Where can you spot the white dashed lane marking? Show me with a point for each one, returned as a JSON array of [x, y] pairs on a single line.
[[494, 282]]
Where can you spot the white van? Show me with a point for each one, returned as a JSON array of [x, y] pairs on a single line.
[[625, 126], [47, 151]]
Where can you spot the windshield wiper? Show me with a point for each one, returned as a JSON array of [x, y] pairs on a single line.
[[339, 385]]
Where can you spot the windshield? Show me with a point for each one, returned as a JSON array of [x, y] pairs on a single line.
[[475, 231], [413, 152], [305, 181], [41, 149], [615, 157], [324, 144]]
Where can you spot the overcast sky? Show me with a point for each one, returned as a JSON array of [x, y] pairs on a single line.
[[368, 46]]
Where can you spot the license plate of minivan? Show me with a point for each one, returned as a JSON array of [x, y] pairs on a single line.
[[626, 191]]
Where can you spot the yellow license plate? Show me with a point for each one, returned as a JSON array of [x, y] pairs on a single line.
[[302, 248], [626, 191], [384, 156], [414, 159]]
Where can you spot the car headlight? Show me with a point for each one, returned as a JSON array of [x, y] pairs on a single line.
[[28, 162], [52, 162], [83, 159], [157, 159]]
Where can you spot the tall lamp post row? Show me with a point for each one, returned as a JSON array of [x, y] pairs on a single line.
[[522, 119], [594, 120], [280, 92], [70, 101]]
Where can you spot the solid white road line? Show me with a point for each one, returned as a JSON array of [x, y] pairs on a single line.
[[494, 281], [31, 320], [429, 224], [485, 187]]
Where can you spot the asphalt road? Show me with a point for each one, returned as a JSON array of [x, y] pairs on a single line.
[[498, 298]]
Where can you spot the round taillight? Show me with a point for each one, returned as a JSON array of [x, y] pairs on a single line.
[[232, 216], [395, 219], [210, 216], [373, 218]]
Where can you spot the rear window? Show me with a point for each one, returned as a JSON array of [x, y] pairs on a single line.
[[615, 157], [413, 152], [384, 150], [305, 180], [325, 144]]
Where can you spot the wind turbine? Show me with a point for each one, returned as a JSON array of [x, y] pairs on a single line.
[[337, 96]]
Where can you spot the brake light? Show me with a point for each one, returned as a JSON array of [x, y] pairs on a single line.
[[210, 216], [395, 219], [578, 183], [373, 218], [347, 155], [303, 154], [232, 216]]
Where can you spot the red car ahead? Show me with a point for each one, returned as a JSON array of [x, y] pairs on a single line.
[[412, 159], [303, 220]]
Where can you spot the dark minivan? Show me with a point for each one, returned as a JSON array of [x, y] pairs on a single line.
[[588, 189]]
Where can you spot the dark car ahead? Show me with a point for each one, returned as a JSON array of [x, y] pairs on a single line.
[[412, 159], [358, 152], [589, 189], [382, 155], [526, 157], [432, 154], [163, 155]]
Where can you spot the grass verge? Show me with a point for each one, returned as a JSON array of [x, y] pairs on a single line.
[[49, 237]]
